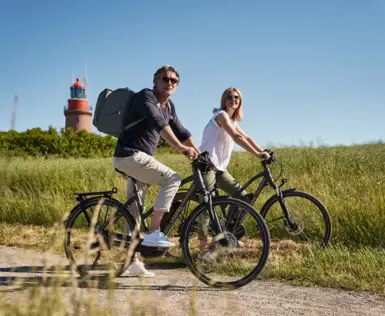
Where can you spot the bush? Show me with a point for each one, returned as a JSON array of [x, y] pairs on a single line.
[[36, 142]]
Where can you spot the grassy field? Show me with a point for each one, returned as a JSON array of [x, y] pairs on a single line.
[[350, 181]]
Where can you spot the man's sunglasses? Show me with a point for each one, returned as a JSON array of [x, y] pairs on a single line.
[[231, 97], [167, 80]]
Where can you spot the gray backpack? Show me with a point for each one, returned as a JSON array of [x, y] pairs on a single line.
[[112, 109]]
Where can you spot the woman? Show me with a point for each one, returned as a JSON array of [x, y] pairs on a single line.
[[219, 136]]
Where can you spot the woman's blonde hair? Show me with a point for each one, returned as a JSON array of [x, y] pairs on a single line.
[[238, 114]]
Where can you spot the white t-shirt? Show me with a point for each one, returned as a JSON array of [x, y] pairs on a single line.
[[217, 142]]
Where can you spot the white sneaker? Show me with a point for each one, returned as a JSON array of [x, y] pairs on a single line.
[[157, 239], [137, 269], [207, 257]]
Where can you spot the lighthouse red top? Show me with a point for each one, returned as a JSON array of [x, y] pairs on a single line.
[[77, 84], [78, 100]]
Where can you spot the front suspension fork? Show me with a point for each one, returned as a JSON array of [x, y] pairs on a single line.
[[288, 220]]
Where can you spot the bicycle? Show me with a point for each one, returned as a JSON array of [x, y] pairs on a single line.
[[279, 211], [221, 235]]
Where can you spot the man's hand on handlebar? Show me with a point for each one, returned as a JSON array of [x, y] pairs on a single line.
[[191, 153]]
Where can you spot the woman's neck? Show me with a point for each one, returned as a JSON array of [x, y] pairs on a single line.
[[230, 112]]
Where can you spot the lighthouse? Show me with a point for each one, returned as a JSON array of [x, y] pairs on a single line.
[[78, 114]]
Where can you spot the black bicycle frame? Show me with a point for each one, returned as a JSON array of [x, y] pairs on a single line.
[[197, 185], [268, 180], [179, 210]]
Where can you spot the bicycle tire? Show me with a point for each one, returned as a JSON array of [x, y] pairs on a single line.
[[294, 193], [262, 228], [76, 212]]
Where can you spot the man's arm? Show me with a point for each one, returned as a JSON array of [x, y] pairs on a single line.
[[180, 131], [191, 143], [170, 137], [167, 134], [150, 109]]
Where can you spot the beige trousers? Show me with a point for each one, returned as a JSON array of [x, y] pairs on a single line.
[[146, 170]]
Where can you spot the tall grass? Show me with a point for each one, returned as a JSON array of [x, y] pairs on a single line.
[[350, 181]]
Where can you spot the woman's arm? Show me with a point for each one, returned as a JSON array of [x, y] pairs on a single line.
[[249, 139], [224, 121]]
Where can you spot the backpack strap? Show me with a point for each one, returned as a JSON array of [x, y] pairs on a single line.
[[133, 123]]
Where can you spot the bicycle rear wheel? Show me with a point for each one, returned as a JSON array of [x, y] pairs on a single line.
[[231, 258], [98, 238]]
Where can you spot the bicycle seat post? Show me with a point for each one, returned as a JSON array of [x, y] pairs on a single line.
[[140, 203], [135, 185]]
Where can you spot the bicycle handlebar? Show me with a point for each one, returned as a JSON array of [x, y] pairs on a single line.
[[203, 161], [270, 160]]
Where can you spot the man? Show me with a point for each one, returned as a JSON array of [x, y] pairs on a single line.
[[136, 146]]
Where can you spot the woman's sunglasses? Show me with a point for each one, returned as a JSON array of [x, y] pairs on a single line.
[[167, 80], [232, 97]]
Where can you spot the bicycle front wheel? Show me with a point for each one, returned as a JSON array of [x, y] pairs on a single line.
[[228, 255], [309, 221]]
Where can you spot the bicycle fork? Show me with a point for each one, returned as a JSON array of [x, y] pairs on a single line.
[[288, 221], [207, 195]]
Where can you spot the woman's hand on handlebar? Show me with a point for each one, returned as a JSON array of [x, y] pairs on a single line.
[[264, 155]]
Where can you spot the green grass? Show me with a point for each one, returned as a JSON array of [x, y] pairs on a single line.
[[350, 181], [337, 266]]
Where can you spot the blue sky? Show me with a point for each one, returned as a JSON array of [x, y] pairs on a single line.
[[309, 71]]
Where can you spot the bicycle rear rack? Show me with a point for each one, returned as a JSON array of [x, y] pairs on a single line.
[[81, 195]]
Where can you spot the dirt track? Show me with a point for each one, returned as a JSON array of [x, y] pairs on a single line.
[[171, 293]]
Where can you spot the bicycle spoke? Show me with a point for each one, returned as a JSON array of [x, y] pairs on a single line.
[[275, 220]]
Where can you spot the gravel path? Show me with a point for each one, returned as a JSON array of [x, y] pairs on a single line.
[[172, 291]]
